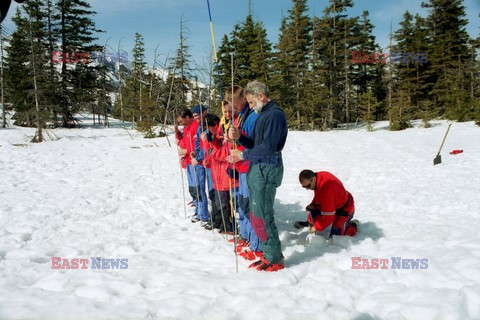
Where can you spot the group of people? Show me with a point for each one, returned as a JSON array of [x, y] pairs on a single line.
[[236, 162]]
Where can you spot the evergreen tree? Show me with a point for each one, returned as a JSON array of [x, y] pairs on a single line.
[[365, 73], [316, 93], [25, 74], [2, 88], [419, 46], [135, 89], [252, 53], [17, 73], [281, 76], [38, 58], [227, 46], [181, 72], [261, 56], [450, 59], [411, 66], [293, 58], [367, 105], [335, 41], [76, 31], [404, 74], [400, 111], [475, 83], [53, 86], [368, 75]]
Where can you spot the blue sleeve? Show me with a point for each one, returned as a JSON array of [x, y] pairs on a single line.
[[249, 125], [198, 151], [275, 129]]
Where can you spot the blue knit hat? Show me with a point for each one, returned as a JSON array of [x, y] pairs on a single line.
[[199, 108]]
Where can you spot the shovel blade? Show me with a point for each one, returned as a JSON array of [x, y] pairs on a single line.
[[437, 160]]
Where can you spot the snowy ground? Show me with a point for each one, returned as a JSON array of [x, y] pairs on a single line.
[[97, 193]]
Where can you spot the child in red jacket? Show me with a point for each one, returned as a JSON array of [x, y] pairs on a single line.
[[218, 150]]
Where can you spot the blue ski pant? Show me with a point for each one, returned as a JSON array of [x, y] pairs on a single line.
[[196, 187], [211, 191], [243, 206]]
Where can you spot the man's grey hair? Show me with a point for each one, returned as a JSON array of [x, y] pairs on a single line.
[[255, 87]]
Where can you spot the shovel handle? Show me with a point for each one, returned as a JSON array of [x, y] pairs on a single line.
[[444, 138]]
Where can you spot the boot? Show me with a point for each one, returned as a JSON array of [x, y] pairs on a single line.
[[251, 255], [265, 265]]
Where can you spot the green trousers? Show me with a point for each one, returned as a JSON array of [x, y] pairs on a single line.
[[263, 181]]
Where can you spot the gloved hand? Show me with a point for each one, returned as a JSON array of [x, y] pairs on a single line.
[[194, 162], [232, 173], [301, 224]]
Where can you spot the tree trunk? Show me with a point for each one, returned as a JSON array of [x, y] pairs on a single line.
[[93, 112], [120, 87], [64, 102], [346, 75], [38, 135], [4, 117], [54, 106], [390, 82]]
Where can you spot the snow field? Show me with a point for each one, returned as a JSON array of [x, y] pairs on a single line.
[[98, 193]]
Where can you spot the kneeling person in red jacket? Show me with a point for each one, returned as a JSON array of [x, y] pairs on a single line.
[[331, 204]]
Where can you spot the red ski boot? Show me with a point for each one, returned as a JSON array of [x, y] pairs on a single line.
[[265, 265], [251, 255]]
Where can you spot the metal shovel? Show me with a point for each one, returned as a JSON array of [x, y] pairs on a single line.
[[438, 158]]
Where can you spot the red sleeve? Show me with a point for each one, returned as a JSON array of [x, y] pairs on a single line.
[[240, 147], [178, 135], [181, 144]]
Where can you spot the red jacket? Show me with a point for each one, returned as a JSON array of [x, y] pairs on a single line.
[[187, 141], [240, 166], [217, 154], [330, 196]]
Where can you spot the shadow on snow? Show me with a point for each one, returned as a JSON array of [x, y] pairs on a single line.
[[315, 246]]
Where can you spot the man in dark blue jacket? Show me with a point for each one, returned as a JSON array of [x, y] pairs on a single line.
[[265, 175]]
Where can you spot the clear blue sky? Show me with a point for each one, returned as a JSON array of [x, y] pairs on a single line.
[[158, 20]]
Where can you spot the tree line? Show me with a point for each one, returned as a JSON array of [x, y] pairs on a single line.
[[311, 71]]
